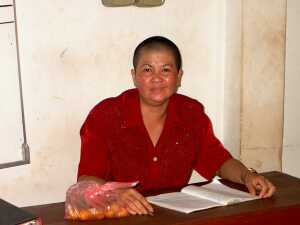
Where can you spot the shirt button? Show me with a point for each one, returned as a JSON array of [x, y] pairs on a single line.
[[155, 159]]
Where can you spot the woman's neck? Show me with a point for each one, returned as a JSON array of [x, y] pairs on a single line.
[[154, 119], [154, 113]]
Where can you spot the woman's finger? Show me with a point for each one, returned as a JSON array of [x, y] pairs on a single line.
[[262, 185], [251, 189], [135, 205], [134, 201], [271, 189], [143, 201]]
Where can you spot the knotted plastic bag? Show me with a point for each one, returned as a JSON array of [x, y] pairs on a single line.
[[89, 200]]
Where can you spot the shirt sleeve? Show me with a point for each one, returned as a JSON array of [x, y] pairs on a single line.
[[212, 153], [94, 158]]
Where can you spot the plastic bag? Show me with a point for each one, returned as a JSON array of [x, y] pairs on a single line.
[[89, 200]]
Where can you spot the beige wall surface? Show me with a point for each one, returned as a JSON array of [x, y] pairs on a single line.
[[75, 53], [263, 83], [291, 140]]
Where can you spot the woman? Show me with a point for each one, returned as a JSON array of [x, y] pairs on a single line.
[[155, 136]]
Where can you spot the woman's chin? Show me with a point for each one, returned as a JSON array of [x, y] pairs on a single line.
[[158, 101]]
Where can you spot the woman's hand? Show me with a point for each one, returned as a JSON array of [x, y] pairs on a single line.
[[134, 202], [258, 185], [127, 197]]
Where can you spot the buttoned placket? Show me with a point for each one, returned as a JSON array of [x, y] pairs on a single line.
[[155, 152], [153, 159]]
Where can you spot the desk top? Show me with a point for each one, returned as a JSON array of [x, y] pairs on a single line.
[[282, 208]]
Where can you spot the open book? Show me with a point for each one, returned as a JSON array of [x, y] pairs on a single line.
[[193, 198]]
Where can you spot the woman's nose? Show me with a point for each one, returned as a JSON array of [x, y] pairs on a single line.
[[157, 77]]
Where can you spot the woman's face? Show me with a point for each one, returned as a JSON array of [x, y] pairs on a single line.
[[156, 76]]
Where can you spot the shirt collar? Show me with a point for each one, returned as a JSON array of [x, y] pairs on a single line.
[[173, 116], [132, 110]]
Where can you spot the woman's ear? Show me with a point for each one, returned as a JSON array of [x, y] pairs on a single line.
[[179, 77], [133, 75]]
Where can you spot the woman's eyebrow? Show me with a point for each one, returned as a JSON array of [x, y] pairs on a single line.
[[169, 65], [146, 64]]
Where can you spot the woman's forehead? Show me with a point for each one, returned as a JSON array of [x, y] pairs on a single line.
[[152, 53]]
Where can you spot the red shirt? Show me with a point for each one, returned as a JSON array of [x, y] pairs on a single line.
[[115, 144]]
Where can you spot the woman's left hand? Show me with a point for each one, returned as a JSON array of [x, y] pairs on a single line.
[[259, 185]]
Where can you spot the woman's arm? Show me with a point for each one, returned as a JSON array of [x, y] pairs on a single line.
[[235, 171]]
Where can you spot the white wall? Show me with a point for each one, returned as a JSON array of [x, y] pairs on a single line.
[[75, 53], [232, 70], [291, 140]]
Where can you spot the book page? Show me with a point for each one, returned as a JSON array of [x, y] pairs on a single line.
[[181, 202], [218, 192]]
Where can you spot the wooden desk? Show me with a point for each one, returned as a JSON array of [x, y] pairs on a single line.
[[282, 208]]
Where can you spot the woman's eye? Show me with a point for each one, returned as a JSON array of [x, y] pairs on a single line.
[[165, 70], [147, 70]]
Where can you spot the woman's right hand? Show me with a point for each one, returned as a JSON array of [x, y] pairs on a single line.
[[134, 202], [128, 197]]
